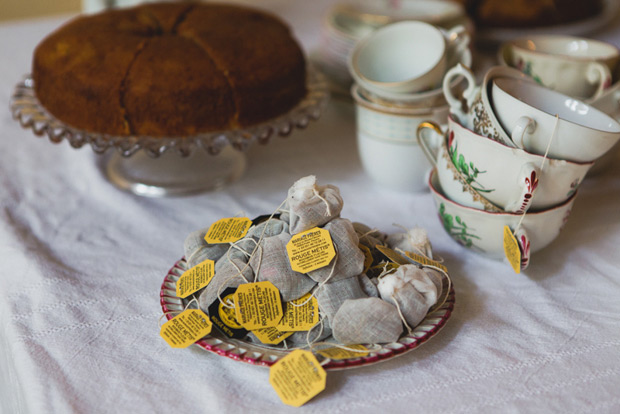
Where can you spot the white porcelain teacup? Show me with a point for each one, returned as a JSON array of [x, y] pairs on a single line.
[[483, 231], [574, 66], [387, 144], [405, 57], [510, 178], [543, 121], [474, 108]]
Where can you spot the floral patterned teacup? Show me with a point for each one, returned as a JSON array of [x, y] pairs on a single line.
[[483, 231], [574, 66], [510, 178]]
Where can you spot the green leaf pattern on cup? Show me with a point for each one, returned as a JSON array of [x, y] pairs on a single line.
[[573, 188], [468, 170], [526, 67], [456, 228]]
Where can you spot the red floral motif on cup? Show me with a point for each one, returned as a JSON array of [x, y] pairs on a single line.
[[525, 251], [531, 183]]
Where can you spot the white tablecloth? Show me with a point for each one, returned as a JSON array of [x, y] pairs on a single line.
[[81, 264]]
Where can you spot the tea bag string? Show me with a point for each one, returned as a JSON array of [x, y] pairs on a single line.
[[413, 244], [240, 271], [542, 165], [328, 209], [400, 313], [176, 311], [321, 284]]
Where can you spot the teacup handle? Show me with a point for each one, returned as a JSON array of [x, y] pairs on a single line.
[[456, 106], [524, 125], [524, 245], [430, 149], [528, 179], [598, 73], [457, 39]]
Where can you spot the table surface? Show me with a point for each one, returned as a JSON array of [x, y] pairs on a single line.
[[81, 264]]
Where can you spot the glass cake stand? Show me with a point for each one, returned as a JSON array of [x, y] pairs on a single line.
[[169, 166]]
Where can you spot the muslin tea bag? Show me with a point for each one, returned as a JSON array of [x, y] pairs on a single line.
[[229, 272], [411, 290], [197, 250], [349, 257], [271, 263], [366, 320], [268, 228], [311, 205], [319, 332], [368, 286], [332, 295], [414, 240]]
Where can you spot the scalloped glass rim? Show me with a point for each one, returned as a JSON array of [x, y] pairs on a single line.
[[256, 354], [29, 112]]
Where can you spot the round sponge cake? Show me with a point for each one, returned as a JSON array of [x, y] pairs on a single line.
[[169, 69]]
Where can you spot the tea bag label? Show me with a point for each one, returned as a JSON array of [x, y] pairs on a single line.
[[222, 315], [511, 249], [367, 257], [195, 278], [298, 317], [258, 305], [271, 336], [228, 230], [425, 261], [186, 328], [310, 250], [297, 378], [353, 351]]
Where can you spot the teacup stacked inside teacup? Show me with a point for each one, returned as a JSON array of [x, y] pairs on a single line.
[[398, 72], [514, 154], [585, 69]]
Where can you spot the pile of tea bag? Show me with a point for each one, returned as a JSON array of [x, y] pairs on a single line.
[[363, 297]]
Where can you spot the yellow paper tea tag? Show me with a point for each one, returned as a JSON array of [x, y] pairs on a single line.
[[511, 249], [186, 328], [310, 250], [367, 257], [194, 279], [425, 261], [258, 305], [300, 318], [297, 378], [228, 230], [339, 353], [271, 336]]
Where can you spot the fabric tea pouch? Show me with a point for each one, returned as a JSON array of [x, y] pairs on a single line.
[[271, 263], [414, 240], [411, 290], [366, 320], [197, 250], [268, 228], [349, 258], [229, 272], [332, 295], [311, 205]]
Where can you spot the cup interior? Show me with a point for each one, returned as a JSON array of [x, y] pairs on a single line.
[[552, 103], [400, 52], [568, 46]]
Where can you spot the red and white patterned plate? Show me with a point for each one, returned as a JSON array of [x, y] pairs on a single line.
[[266, 356]]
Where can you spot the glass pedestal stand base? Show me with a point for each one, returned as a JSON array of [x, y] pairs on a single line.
[[173, 175]]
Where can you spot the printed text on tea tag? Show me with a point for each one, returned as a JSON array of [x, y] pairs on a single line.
[[353, 351], [271, 336], [228, 230], [298, 317], [196, 278], [297, 377], [310, 250], [258, 305], [186, 328]]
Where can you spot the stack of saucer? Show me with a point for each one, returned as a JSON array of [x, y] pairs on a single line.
[[398, 72], [514, 156]]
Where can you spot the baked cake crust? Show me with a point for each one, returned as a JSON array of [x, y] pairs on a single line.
[[169, 69]]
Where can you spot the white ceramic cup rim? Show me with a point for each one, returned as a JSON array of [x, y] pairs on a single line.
[[431, 64], [525, 44], [502, 83]]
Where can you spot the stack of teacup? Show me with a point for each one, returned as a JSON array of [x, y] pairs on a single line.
[[575, 66], [514, 154], [398, 72]]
